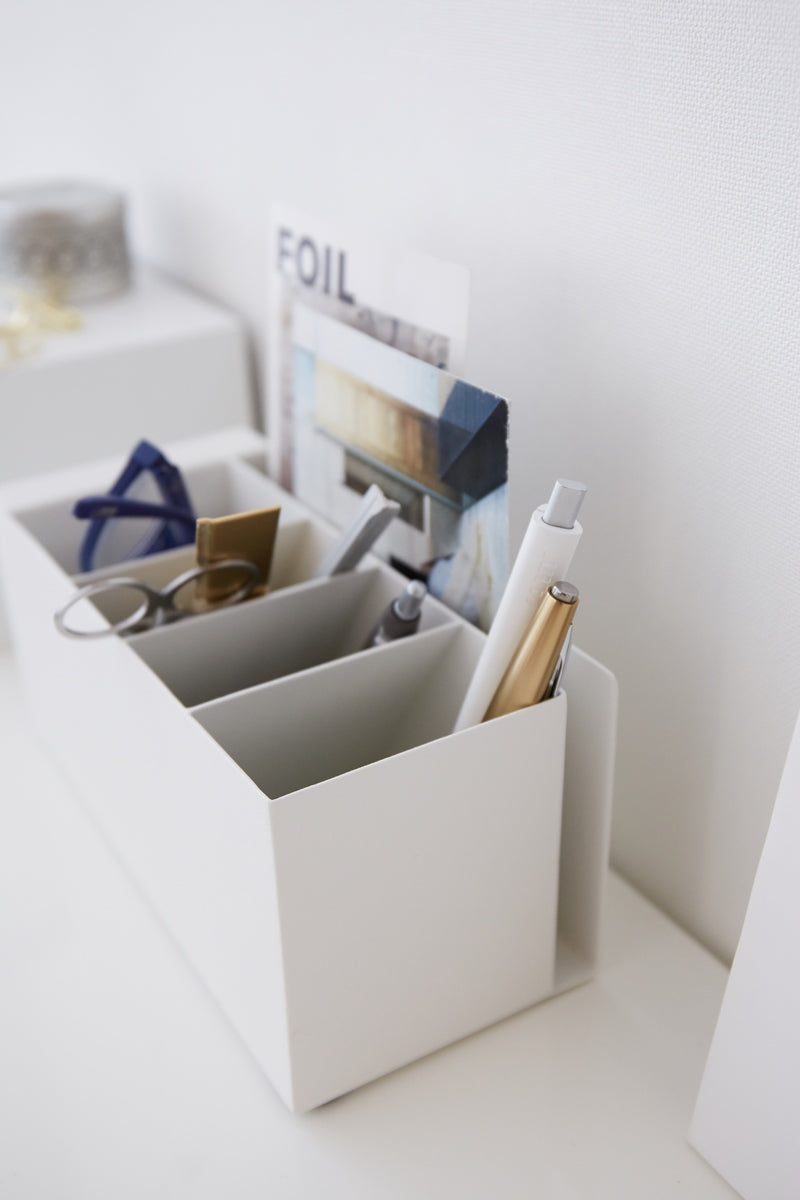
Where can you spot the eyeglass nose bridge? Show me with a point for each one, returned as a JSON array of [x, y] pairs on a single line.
[[194, 574]]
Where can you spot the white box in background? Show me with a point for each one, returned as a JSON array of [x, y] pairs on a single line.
[[356, 885], [156, 362]]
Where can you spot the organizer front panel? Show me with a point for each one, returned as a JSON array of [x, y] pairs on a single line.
[[418, 898]]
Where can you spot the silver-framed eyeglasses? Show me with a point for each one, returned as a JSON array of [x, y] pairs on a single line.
[[133, 606]]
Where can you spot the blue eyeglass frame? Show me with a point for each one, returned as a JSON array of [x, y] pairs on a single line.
[[176, 515]]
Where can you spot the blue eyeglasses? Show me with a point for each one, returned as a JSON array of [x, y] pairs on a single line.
[[124, 525]]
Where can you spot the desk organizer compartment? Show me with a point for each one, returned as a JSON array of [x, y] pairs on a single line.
[[274, 635], [354, 884], [216, 489], [355, 711], [298, 546], [416, 897]]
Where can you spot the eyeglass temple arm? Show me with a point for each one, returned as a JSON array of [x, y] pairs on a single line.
[[103, 507]]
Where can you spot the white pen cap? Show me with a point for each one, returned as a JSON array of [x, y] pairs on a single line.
[[564, 504]]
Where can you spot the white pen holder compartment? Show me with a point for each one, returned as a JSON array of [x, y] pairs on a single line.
[[353, 883], [417, 873], [355, 711], [271, 636], [297, 546]]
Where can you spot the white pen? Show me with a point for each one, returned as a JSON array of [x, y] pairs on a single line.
[[544, 557]]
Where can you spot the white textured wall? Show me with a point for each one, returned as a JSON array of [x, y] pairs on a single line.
[[622, 180]]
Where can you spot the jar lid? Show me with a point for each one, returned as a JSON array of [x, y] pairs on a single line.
[[67, 237]]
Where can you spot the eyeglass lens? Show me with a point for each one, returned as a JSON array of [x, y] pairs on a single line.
[[126, 538], [121, 603], [217, 585]]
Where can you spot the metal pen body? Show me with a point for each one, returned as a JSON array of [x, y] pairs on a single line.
[[531, 668]]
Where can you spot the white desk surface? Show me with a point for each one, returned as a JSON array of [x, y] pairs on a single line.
[[119, 1077]]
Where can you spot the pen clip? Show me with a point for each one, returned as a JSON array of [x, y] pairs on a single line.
[[554, 686]]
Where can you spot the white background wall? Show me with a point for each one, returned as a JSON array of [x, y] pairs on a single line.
[[621, 178]]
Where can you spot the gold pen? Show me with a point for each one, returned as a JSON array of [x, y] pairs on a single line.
[[528, 675]]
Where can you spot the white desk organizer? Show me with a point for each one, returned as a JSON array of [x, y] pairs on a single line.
[[355, 885]]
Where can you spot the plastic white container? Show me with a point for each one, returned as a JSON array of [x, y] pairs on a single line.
[[356, 885]]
